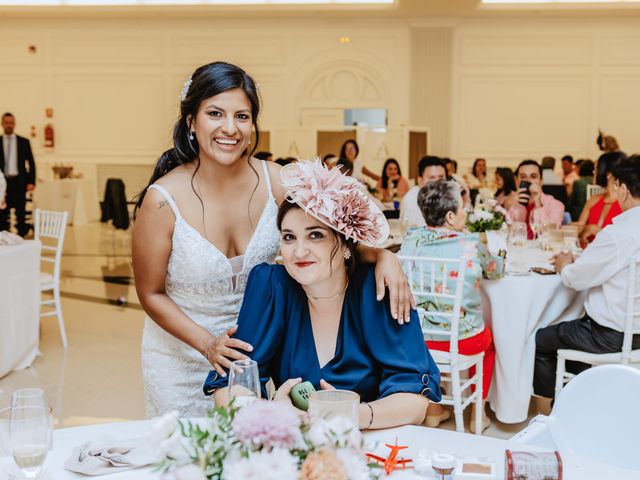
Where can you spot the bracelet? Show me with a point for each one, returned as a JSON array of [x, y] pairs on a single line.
[[370, 421]]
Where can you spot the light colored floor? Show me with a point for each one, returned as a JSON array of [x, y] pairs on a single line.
[[99, 375]]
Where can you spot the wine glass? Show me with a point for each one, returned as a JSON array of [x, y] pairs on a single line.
[[244, 381], [33, 397], [30, 430]]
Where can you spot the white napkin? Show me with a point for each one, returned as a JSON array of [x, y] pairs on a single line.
[[8, 238], [107, 455], [496, 241]]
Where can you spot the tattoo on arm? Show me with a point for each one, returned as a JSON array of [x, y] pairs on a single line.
[[162, 204]]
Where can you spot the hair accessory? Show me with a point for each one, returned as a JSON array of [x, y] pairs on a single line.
[[335, 199], [347, 254], [185, 90]]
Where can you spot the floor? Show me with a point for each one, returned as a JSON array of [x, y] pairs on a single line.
[[98, 378]]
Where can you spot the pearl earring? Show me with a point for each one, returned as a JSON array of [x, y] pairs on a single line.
[[191, 136]]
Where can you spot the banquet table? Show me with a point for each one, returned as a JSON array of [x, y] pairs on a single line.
[[19, 305], [79, 197], [420, 440], [515, 307]]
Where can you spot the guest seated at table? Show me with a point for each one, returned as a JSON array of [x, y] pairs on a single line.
[[603, 271], [599, 210], [478, 178], [578, 196], [430, 168], [392, 185], [535, 206], [569, 173], [549, 177], [317, 317], [445, 236], [506, 193]]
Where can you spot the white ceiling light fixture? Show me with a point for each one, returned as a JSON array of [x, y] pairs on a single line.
[[520, 2], [88, 3]]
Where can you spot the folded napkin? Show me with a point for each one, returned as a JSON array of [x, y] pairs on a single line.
[[107, 455], [8, 238]]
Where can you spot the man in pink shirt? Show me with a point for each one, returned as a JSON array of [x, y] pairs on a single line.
[[534, 207]]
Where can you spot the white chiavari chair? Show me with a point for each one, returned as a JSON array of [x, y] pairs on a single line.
[[594, 190], [433, 282], [50, 229]]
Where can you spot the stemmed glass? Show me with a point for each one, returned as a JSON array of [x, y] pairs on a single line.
[[33, 397], [244, 382], [519, 234], [30, 431]]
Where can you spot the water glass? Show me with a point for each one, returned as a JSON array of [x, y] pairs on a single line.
[[244, 381], [332, 403], [30, 430], [5, 422], [519, 234]]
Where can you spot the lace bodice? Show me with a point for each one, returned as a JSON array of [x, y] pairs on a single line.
[[200, 281]]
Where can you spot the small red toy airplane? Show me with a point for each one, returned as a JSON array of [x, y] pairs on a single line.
[[392, 462]]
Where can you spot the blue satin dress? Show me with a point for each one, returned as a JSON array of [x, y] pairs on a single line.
[[374, 356]]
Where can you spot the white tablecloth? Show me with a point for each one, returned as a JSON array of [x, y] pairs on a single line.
[[516, 307], [419, 440], [77, 196], [19, 305]]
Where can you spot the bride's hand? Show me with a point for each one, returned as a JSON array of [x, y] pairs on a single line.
[[222, 350]]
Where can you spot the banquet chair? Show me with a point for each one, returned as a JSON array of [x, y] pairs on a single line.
[[626, 356], [437, 288], [594, 190], [580, 425], [51, 226]]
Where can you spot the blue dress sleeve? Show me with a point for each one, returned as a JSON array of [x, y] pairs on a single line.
[[261, 322], [399, 350]]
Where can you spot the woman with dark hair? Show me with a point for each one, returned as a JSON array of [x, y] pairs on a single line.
[[207, 217], [392, 185], [478, 177], [599, 210], [315, 318], [506, 193], [349, 152]]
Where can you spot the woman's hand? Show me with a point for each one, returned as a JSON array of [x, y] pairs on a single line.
[[324, 385], [222, 350], [282, 394], [389, 274], [589, 231]]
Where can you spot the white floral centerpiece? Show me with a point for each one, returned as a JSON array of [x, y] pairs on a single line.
[[489, 216], [267, 440]]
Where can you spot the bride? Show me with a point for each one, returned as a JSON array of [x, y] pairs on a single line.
[[206, 219]]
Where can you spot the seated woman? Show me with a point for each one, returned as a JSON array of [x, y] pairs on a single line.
[[506, 191], [392, 185], [317, 318], [599, 210], [445, 237]]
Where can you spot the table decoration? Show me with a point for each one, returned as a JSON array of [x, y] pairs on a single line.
[[488, 216], [267, 440]]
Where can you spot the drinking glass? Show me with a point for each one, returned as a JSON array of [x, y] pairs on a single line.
[[244, 382], [519, 234], [332, 403], [30, 431], [33, 397], [5, 422]]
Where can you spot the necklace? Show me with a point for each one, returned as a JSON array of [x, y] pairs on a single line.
[[332, 296]]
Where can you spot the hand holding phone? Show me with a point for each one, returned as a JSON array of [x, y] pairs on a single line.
[[523, 193]]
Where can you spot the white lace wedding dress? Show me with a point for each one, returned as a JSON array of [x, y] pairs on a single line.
[[200, 280]]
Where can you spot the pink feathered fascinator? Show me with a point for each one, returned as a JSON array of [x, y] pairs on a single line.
[[337, 200]]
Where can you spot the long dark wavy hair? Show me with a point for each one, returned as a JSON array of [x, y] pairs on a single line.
[[385, 178], [207, 81]]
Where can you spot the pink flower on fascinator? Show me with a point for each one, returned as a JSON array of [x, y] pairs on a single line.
[[335, 199]]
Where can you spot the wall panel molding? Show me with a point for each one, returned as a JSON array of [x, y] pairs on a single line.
[[109, 50]]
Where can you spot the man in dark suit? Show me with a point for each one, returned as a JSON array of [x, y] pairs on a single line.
[[16, 162]]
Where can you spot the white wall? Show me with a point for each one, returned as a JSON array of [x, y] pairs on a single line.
[[527, 89], [505, 89]]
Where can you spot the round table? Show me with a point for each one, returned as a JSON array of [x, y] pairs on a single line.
[[515, 307]]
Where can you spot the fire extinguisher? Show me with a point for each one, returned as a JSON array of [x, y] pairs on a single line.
[[48, 136]]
